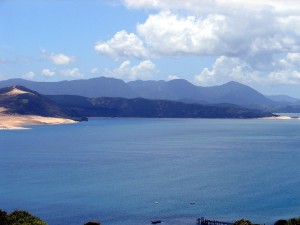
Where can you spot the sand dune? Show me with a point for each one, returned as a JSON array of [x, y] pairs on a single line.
[[21, 121], [16, 91]]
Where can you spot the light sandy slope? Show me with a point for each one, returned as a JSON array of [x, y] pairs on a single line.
[[21, 121], [16, 91]]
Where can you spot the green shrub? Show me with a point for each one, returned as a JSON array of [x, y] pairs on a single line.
[[294, 221], [3, 218], [242, 222], [92, 223], [281, 222], [19, 217]]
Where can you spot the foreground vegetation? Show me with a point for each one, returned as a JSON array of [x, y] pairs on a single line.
[[294, 221], [19, 217]]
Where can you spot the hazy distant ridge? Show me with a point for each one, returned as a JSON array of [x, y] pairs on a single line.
[[180, 90]]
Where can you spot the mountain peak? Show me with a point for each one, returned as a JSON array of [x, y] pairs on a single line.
[[180, 82], [234, 84]]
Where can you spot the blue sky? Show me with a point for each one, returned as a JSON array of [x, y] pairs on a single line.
[[208, 42]]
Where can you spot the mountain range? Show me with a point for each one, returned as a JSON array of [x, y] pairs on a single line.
[[20, 100], [175, 90], [284, 99], [179, 89]]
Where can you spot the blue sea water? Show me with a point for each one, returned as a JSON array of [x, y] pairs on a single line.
[[131, 171]]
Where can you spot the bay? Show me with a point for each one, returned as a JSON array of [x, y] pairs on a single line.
[[131, 171]]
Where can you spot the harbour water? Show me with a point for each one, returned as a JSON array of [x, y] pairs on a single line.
[[131, 171]]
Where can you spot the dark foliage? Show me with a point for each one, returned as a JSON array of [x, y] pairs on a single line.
[[93, 223], [19, 217], [139, 107], [3, 218], [281, 222], [293, 221], [243, 222]]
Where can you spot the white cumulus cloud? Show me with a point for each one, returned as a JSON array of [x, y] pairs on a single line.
[[29, 75], [226, 69], [255, 36], [94, 70], [291, 61], [144, 70], [253, 41], [47, 73], [284, 77], [236, 35], [74, 73], [57, 58], [122, 44], [286, 70], [169, 34], [61, 59], [173, 77]]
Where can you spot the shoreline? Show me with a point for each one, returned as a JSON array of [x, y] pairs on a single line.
[[280, 118], [20, 122]]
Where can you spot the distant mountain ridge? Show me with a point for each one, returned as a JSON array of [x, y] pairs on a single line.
[[94, 87], [21, 100], [284, 99], [178, 90]]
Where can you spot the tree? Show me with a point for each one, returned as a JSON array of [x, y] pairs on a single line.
[[19, 217], [3, 218], [281, 222], [242, 222], [92, 223], [294, 221]]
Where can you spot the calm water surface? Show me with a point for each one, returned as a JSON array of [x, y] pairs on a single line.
[[114, 170]]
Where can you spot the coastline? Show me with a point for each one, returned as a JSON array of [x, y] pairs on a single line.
[[19, 122], [280, 118]]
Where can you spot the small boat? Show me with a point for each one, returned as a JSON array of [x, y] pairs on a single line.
[[156, 222]]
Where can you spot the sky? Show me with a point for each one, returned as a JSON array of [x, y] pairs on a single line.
[[207, 42]]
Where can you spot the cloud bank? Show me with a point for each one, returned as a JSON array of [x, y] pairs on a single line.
[[121, 45], [61, 59], [29, 75], [47, 73], [253, 41], [73, 73], [143, 71], [57, 58]]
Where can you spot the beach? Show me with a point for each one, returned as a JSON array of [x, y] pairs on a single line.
[[17, 122], [281, 117], [12, 122]]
